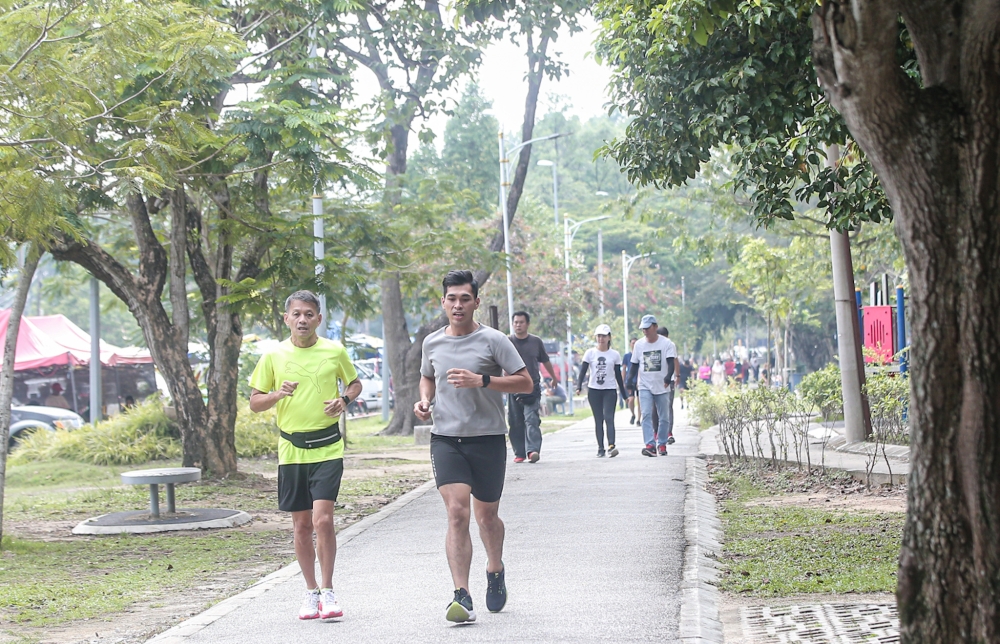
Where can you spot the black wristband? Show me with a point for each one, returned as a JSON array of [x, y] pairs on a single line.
[[486, 380], [347, 401]]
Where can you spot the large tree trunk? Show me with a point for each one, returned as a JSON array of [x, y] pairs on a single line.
[[936, 149], [32, 255], [405, 356]]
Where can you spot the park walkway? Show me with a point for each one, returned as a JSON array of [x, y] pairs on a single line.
[[594, 553]]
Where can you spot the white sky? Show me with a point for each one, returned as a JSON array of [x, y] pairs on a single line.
[[501, 78]]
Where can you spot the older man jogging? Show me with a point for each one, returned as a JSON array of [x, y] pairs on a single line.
[[300, 377], [462, 374]]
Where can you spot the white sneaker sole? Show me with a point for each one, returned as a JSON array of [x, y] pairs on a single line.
[[459, 614]]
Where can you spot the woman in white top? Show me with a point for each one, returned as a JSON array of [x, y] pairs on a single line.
[[605, 366]]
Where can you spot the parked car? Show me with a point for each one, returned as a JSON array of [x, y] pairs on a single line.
[[28, 418], [371, 386]]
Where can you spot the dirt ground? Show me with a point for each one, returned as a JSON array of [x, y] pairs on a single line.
[[157, 612]]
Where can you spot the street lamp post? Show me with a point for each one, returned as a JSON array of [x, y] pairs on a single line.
[[504, 184], [569, 231], [627, 261]]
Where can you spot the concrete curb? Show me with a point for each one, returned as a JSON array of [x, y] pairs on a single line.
[[179, 633], [699, 619]]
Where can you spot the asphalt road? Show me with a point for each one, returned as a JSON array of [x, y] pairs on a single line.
[[593, 553]]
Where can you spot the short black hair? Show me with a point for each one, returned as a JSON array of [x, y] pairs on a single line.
[[458, 278], [663, 331], [524, 314], [303, 296]]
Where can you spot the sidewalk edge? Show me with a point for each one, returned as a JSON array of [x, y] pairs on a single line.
[[179, 633], [699, 613]]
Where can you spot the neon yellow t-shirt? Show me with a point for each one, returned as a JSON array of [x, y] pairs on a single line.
[[318, 369]]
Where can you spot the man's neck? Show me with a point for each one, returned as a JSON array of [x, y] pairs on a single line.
[[521, 336], [305, 343], [461, 329]]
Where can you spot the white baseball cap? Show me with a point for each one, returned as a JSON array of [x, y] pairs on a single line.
[[647, 321], [602, 329]]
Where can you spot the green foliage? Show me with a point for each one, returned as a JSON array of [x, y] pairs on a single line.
[[256, 434], [823, 389], [888, 400], [696, 76], [144, 433], [707, 403]]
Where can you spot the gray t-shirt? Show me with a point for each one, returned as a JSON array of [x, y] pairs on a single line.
[[475, 411], [532, 351]]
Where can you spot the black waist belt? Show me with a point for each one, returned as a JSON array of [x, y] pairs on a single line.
[[314, 439]]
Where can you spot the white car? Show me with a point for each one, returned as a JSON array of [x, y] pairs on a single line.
[[371, 386]]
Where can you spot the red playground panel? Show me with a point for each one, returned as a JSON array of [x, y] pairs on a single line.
[[878, 335]]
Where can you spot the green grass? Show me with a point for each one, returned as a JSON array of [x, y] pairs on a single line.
[[44, 582], [362, 436], [787, 549]]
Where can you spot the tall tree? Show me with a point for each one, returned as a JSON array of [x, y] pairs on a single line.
[[918, 88]]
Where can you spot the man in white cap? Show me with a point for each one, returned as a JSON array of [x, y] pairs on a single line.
[[655, 359]]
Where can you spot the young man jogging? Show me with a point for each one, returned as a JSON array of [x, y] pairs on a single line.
[[655, 359], [523, 409], [301, 377], [462, 373]]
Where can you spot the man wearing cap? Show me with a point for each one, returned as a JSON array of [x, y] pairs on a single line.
[[655, 360], [523, 410], [56, 399]]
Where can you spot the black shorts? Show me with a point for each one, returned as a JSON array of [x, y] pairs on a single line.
[[299, 484], [478, 461]]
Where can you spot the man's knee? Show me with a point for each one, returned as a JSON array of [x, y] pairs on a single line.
[[302, 523], [322, 515]]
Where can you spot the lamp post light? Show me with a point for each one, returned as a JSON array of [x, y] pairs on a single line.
[[627, 261], [504, 184], [569, 231]]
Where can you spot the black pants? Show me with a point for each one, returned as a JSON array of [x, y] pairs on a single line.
[[602, 403]]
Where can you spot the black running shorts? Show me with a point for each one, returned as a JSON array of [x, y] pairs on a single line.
[[299, 484], [478, 461]]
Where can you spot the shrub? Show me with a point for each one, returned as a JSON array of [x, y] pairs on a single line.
[[143, 434], [708, 404], [888, 399], [823, 390], [256, 434]]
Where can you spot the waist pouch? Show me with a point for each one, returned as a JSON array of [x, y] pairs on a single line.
[[529, 399], [314, 439]]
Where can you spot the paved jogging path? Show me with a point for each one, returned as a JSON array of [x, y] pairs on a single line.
[[593, 553]]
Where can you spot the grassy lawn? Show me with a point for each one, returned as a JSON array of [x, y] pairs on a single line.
[[49, 576], [774, 546]]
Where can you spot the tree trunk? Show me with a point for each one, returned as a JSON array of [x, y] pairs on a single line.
[[936, 149], [32, 255], [405, 356]]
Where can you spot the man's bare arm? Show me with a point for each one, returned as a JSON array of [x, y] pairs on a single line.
[[422, 408], [260, 401], [516, 383]]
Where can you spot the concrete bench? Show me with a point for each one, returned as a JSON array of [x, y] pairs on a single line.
[[168, 476]]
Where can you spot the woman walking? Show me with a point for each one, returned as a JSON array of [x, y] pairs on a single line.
[[603, 362]]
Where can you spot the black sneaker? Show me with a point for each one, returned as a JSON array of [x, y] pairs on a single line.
[[460, 608], [600, 453], [670, 440], [649, 450], [496, 591], [612, 451], [632, 420]]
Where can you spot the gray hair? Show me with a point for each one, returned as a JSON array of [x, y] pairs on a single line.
[[303, 296]]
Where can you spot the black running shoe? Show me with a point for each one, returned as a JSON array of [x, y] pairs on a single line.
[[496, 591], [460, 608], [600, 453], [612, 451], [670, 440], [649, 450], [632, 420]]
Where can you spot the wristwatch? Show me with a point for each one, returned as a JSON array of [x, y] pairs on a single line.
[[486, 380], [347, 401]]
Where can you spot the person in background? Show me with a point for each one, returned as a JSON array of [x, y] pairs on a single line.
[[554, 395], [56, 399], [718, 374], [656, 357], [523, 409], [705, 372], [605, 366], [687, 368], [630, 398]]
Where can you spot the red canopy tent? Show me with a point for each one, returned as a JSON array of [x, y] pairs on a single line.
[[53, 340]]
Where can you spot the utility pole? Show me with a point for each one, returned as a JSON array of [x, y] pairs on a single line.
[[96, 392], [857, 423], [600, 270]]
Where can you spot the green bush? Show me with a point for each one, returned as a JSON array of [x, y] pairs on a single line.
[[888, 399], [823, 389], [256, 434], [143, 434], [708, 403]]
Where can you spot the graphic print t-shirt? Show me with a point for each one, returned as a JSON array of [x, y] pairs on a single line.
[[651, 360], [317, 369], [602, 368]]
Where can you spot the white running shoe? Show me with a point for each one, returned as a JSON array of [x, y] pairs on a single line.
[[328, 607], [310, 605]]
